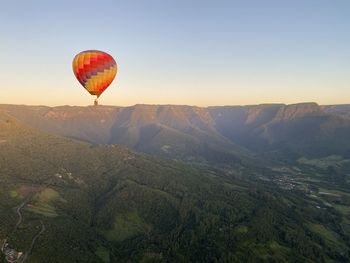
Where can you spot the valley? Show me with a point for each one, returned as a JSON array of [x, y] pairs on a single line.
[[103, 202]]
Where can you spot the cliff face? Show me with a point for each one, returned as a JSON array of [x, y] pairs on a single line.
[[338, 110], [299, 111], [187, 131]]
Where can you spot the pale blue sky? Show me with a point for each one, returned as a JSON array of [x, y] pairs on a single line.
[[178, 52]]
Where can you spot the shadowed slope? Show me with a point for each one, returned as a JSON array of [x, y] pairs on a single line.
[[214, 134]]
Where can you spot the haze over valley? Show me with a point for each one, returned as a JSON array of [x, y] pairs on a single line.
[[167, 183]]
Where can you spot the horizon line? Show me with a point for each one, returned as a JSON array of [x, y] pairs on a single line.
[[169, 104]]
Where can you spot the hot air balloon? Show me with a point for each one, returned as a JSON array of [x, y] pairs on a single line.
[[95, 70]]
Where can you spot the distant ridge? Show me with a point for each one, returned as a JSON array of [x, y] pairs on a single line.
[[221, 133]]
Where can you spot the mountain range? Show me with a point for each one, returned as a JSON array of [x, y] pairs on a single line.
[[212, 134], [148, 183]]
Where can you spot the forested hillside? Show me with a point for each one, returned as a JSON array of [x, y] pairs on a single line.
[[105, 203]]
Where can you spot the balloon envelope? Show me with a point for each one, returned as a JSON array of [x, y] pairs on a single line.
[[95, 70]]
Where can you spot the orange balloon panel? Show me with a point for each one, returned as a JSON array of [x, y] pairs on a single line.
[[95, 70]]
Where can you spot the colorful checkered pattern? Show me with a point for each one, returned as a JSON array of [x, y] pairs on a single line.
[[95, 70]]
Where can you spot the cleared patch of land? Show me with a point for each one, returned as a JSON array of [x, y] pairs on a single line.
[[126, 226], [324, 163], [44, 203], [103, 254]]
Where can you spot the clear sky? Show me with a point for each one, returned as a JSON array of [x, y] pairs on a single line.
[[178, 51]]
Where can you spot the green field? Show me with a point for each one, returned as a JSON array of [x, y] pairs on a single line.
[[103, 254], [44, 203], [344, 209], [126, 226], [329, 235], [324, 163]]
